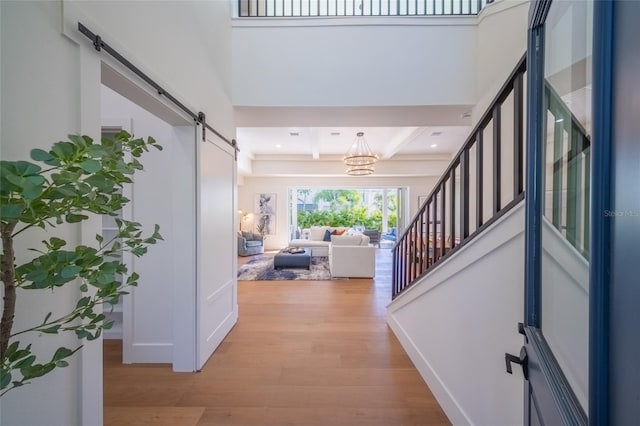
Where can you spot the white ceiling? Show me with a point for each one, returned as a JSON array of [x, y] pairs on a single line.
[[271, 139], [317, 142]]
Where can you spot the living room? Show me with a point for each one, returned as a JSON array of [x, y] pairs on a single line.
[[334, 232], [412, 171], [291, 165]]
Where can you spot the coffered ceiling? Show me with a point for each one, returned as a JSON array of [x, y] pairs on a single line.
[[320, 147]]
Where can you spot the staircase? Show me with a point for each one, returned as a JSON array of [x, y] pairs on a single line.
[[483, 182], [458, 268]]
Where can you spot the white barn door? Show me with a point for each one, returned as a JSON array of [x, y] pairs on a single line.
[[216, 304]]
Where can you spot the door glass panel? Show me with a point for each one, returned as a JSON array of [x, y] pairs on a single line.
[[565, 228]]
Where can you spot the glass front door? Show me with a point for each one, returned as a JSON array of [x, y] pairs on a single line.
[[565, 216], [558, 203]]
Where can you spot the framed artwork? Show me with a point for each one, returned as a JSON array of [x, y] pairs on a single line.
[[265, 213], [266, 223], [265, 204]]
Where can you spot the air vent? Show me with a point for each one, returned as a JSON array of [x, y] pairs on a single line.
[[335, 133], [294, 133], [436, 133]]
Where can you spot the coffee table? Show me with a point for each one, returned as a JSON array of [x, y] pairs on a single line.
[[284, 259]]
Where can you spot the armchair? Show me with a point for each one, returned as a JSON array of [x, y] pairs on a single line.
[[391, 235], [250, 244], [374, 236], [352, 261], [352, 256]]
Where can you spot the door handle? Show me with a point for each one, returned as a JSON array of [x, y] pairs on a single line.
[[523, 360]]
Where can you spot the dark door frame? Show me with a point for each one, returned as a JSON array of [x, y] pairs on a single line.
[[614, 294], [567, 407], [600, 264]]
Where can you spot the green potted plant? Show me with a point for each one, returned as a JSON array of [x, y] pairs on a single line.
[[77, 177]]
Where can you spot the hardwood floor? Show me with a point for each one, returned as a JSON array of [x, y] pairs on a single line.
[[307, 353]]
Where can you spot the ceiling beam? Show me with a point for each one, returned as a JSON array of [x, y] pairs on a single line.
[[432, 168], [404, 138], [314, 143]]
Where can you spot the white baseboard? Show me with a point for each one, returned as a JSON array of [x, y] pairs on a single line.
[[449, 405], [154, 353]]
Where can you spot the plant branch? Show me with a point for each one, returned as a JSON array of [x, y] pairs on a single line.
[[8, 278], [65, 319], [31, 225]]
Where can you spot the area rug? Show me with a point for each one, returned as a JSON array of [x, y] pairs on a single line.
[[260, 268]]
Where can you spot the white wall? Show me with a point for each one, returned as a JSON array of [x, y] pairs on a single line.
[[353, 62], [280, 186], [183, 45], [36, 113], [334, 167], [378, 61], [50, 88], [500, 42], [457, 324]]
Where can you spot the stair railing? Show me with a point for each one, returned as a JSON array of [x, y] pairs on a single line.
[[568, 151], [483, 182]]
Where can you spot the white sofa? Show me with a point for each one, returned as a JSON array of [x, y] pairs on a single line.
[[350, 254], [314, 239], [347, 258]]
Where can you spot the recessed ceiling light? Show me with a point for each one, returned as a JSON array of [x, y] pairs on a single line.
[[278, 146], [434, 145], [436, 133]]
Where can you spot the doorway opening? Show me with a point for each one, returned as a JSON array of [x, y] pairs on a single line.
[[374, 210]]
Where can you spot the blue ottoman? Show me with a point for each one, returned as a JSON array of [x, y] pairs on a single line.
[[286, 259]]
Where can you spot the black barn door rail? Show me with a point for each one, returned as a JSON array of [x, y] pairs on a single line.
[[199, 117]]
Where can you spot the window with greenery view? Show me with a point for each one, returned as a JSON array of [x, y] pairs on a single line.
[[345, 207]]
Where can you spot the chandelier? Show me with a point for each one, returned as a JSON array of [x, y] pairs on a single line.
[[359, 159]]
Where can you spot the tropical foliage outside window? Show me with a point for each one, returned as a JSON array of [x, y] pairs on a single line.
[[345, 207]]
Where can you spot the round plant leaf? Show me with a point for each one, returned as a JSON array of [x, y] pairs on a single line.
[[40, 155]]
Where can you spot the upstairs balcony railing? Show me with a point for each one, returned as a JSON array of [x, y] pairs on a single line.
[[329, 8], [483, 182]]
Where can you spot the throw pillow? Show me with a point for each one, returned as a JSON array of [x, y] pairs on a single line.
[[317, 232], [327, 235], [339, 232]]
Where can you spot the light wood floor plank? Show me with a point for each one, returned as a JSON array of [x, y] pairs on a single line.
[[303, 353], [154, 416]]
